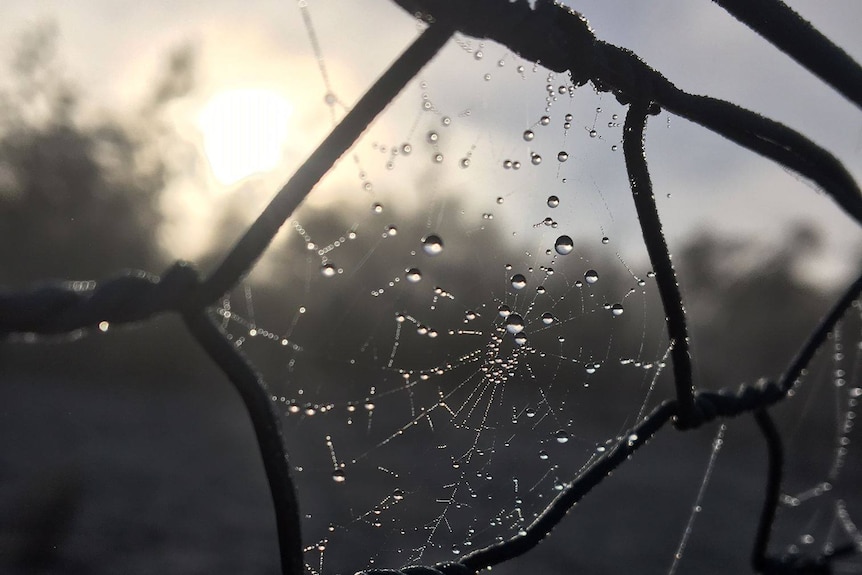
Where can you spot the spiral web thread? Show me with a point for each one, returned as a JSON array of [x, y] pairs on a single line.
[[563, 42]]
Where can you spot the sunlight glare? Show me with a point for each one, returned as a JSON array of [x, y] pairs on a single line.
[[244, 132]]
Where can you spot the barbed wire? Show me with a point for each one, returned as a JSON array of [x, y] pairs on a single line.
[[561, 40]]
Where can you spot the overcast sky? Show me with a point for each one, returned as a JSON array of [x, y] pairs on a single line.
[[113, 48]]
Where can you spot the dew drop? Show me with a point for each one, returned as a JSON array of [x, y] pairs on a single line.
[[413, 275], [617, 309], [432, 245], [569, 117], [504, 310], [591, 276], [398, 494], [433, 137], [535, 159], [543, 455], [438, 158], [464, 163], [328, 270], [545, 120], [514, 323], [377, 208], [529, 135], [564, 245], [391, 231], [520, 339], [562, 436], [553, 201], [406, 149], [519, 281], [562, 156], [547, 318], [593, 133], [339, 476]]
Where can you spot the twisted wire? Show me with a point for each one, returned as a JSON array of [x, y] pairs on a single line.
[[64, 307]]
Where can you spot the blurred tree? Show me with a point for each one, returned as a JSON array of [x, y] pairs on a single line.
[[78, 199], [749, 306]]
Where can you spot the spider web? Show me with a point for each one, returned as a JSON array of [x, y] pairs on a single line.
[[463, 317]]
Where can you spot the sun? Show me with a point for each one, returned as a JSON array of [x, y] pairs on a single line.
[[244, 132]]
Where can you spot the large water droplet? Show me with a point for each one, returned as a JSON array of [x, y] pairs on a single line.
[[543, 455], [413, 275], [591, 276], [553, 201], [547, 318], [432, 245], [617, 309], [564, 245], [536, 159], [562, 156], [562, 436], [328, 270], [391, 231], [529, 135], [515, 323], [432, 137], [398, 494], [339, 476], [377, 208], [519, 281], [504, 310], [545, 120]]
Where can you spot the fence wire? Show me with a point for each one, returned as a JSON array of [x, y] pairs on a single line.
[[561, 40]]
